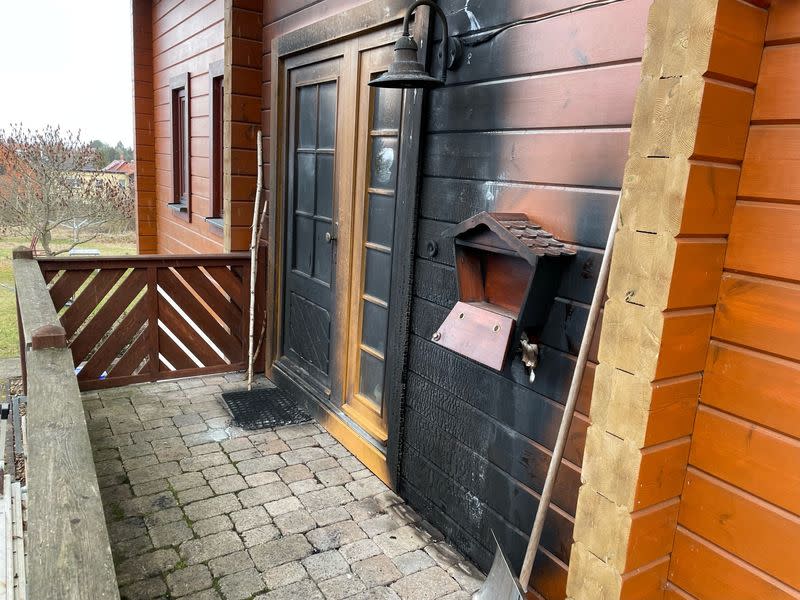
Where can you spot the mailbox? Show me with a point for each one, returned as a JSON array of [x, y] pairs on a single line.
[[508, 270]]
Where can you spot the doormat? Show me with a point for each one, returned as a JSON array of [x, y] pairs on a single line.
[[264, 407]]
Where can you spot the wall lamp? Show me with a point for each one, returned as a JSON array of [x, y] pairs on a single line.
[[406, 71]]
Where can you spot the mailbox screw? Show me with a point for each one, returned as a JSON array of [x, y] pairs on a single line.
[[496, 328], [437, 336]]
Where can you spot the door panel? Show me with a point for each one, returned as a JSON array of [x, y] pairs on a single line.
[[311, 201], [373, 238]]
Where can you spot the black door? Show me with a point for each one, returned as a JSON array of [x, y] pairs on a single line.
[[310, 248]]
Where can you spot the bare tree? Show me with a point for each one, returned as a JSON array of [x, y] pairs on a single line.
[[49, 182]]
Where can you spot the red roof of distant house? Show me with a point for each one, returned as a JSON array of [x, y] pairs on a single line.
[[119, 166]]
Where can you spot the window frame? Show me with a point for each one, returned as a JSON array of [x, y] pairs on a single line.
[[216, 129], [181, 146]]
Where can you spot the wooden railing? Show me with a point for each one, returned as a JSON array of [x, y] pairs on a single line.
[[68, 550], [130, 319]]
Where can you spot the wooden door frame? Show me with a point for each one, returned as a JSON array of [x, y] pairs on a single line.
[[366, 18]]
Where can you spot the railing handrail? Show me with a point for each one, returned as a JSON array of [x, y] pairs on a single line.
[[69, 552], [50, 263]]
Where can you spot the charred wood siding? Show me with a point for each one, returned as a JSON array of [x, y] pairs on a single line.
[[738, 528], [536, 121], [187, 37]]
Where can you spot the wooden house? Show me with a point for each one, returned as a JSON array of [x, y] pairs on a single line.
[[680, 477]]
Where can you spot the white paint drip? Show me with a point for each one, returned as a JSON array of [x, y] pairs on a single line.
[[473, 22]]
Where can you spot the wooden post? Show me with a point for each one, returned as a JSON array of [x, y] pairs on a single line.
[[687, 138], [21, 252], [152, 321]]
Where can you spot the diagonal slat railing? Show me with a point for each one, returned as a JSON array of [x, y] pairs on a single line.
[[131, 319]]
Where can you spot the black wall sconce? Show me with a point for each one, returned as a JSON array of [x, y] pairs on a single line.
[[406, 71]]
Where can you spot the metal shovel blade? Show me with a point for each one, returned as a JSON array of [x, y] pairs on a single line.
[[501, 583]]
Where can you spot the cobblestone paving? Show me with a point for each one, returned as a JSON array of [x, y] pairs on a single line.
[[201, 510]]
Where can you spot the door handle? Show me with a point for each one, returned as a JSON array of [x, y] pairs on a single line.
[[329, 237]]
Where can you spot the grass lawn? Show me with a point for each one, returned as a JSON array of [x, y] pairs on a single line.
[[9, 346]]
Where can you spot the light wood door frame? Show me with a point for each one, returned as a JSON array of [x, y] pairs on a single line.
[[347, 33]]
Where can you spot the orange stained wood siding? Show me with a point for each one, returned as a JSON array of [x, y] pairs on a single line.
[[738, 534], [175, 38]]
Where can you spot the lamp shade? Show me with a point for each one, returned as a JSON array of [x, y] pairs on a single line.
[[406, 71]]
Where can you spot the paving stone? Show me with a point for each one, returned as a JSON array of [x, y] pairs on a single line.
[[230, 563], [195, 494], [135, 450], [212, 507], [378, 593], [154, 434], [360, 550], [335, 536], [403, 514], [305, 486], [205, 449], [362, 474], [336, 476], [110, 467], [126, 529], [283, 575], [304, 589], [211, 435], [325, 565], [229, 483], [220, 471], [186, 481], [188, 384], [151, 473], [304, 455], [291, 432], [273, 447], [377, 570], [170, 453], [257, 465], [246, 454], [462, 595], [146, 565], [249, 518], [429, 584], [324, 439], [402, 540], [378, 525], [466, 575], [216, 524], [294, 473], [444, 554], [132, 547], [264, 493], [189, 429], [144, 505], [170, 534], [257, 479], [149, 488], [303, 442], [283, 506], [334, 496], [298, 521], [235, 445], [327, 516], [387, 499], [259, 535], [344, 586], [411, 562], [371, 486], [184, 420], [364, 509], [117, 493], [144, 590], [281, 551], [190, 579], [204, 461], [242, 585], [164, 516], [350, 463], [204, 549], [263, 436], [217, 419], [338, 451]]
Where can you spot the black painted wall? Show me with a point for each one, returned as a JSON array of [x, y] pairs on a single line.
[[535, 121]]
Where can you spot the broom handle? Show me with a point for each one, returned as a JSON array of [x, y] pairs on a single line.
[[253, 256], [569, 408]]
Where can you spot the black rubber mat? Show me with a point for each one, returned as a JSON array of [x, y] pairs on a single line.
[[264, 407]]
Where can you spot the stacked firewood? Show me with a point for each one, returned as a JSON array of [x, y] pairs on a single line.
[[13, 504]]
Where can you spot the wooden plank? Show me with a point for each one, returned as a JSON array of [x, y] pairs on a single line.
[[115, 342], [227, 342], [173, 353], [763, 240], [760, 314], [137, 352], [706, 571], [104, 319], [67, 285], [567, 99], [771, 161], [758, 533], [34, 306], [778, 85], [229, 282], [70, 555], [753, 386], [223, 307], [186, 334], [89, 299], [784, 22], [738, 42], [578, 158], [755, 459]]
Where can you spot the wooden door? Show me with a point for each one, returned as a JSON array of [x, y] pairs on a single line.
[[310, 227], [373, 230]]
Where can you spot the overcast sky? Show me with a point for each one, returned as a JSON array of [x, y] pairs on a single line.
[[69, 64]]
